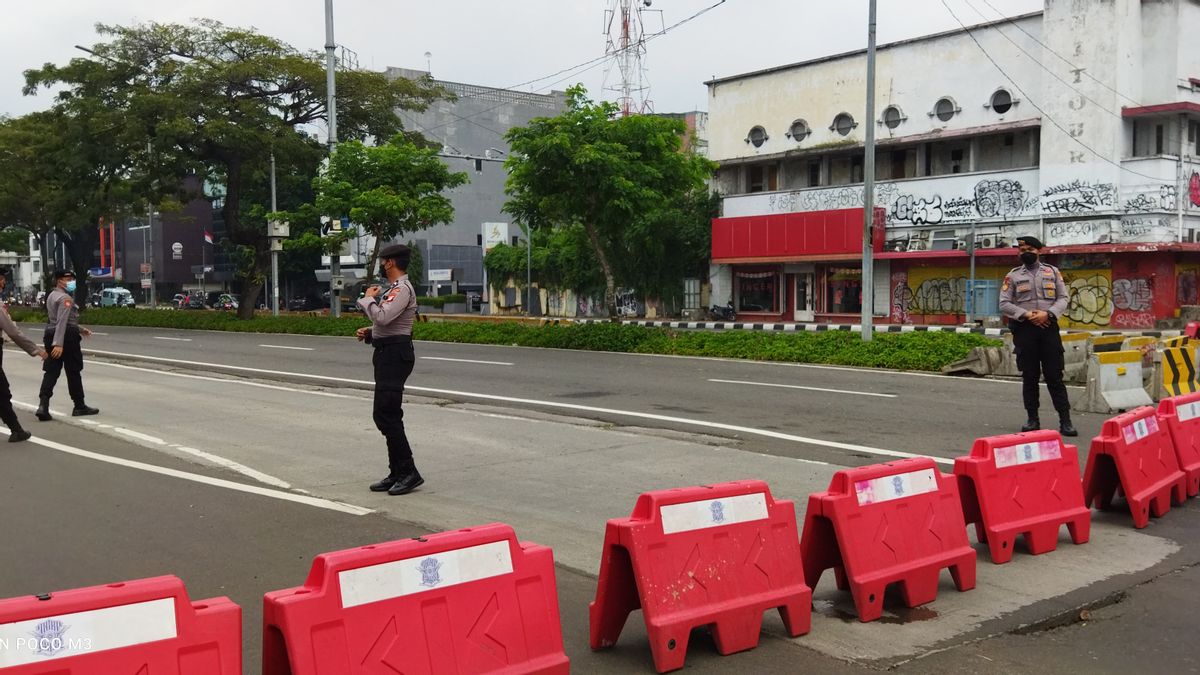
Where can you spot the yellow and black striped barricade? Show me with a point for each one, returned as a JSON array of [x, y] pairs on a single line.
[[1114, 383], [1104, 343], [1179, 374]]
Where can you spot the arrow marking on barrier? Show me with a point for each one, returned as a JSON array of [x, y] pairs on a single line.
[[385, 650], [1016, 495], [481, 632], [882, 535], [691, 569], [754, 556], [931, 519]]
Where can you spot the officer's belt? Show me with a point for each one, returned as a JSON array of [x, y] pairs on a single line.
[[390, 340]]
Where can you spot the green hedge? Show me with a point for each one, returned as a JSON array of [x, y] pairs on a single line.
[[442, 300], [900, 351]]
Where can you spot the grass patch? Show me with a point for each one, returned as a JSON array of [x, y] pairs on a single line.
[[927, 351]]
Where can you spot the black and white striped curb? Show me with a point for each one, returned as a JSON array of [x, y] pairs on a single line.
[[854, 328]]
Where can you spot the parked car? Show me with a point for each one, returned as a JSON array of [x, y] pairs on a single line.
[[300, 304], [177, 301], [116, 297], [223, 301]]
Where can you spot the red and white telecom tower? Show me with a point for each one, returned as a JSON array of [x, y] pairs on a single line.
[[624, 25]]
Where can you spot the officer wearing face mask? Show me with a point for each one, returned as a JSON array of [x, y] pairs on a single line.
[[392, 310], [1033, 297], [63, 340]]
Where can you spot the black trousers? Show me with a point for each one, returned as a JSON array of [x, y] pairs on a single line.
[[1040, 354], [71, 360], [393, 360], [7, 414]]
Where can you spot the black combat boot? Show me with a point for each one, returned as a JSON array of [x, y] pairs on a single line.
[[43, 411], [384, 484], [1064, 424], [82, 409], [407, 483], [16, 433], [1032, 424]]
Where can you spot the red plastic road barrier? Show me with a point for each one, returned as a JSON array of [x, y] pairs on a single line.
[[468, 601], [144, 626], [1192, 329], [878, 525], [1181, 417], [1134, 453], [1023, 484], [716, 554]]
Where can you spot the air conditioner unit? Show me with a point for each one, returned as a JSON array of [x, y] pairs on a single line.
[[944, 240], [987, 242], [960, 244]]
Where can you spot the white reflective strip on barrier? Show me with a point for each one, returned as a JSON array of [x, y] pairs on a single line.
[[1140, 429], [713, 513], [417, 575], [57, 637], [1188, 411], [1027, 453], [895, 487]]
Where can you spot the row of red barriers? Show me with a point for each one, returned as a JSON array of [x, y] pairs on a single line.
[[477, 600]]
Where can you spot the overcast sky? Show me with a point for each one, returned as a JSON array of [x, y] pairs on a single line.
[[502, 44]]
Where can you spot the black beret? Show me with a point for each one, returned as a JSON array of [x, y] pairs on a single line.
[[1031, 241], [396, 252], [61, 274]]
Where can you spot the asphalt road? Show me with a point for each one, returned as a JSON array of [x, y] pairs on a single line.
[[303, 432], [803, 411]]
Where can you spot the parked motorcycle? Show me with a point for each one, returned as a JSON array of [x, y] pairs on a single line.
[[719, 313]]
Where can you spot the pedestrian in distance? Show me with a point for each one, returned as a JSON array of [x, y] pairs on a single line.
[[16, 433], [63, 339], [392, 310], [1033, 297]]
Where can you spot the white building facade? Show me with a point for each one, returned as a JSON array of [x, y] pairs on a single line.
[[1079, 125]]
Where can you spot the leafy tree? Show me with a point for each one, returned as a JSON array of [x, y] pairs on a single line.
[[623, 180], [217, 100], [416, 265], [389, 190]]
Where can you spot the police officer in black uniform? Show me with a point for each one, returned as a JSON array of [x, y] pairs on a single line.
[[392, 310], [1033, 297], [63, 340]]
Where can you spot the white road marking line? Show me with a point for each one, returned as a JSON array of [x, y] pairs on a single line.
[[796, 386], [564, 406], [159, 337], [245, 383], [154, 440], [204, 480], [299, 349], [98, 333], [486, 363]]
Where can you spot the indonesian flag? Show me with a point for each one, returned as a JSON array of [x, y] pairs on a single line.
[[208, 238]]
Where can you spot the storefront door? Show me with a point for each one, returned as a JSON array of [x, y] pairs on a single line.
[[806, 289]]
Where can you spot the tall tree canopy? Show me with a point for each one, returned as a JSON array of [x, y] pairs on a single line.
[[217, 100], [623, 180], [389, 190]]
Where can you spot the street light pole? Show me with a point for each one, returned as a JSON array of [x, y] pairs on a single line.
[[274, 254], [150, 228], [335, 257], [868, 269], [528, 270]]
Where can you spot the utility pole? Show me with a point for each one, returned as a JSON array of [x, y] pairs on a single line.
[[528, 270], [150, 229], [274, 254], [335, 257], [868, 269]]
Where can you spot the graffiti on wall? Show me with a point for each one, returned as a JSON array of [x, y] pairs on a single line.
[[1078, 196], [1091, 296], [917, 210], [628, 304], [1000, 198], [941, 295], [901, 296], [1162, 199], [1133, 295], [1145, 229], [1186, 290], [1078, 232], [587, 306], [829, 200]]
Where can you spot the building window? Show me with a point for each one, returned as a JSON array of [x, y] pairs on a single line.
[[1002, 101], [956, 161], [814, 174], [758, 291], [1159, 132], [892, 117], [762, 178], [757, 137], [799, 131], [843, 290], [843, 124], [691, 294], [856, 169], [945, 109]]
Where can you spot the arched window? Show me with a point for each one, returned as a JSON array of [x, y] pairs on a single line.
[[1002, 101], [945, 109], [799, 131], [843, 124], [757, 137]]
